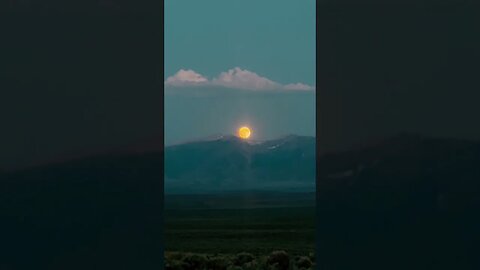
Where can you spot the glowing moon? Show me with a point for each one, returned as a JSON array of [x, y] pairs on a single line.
[[244, 132]]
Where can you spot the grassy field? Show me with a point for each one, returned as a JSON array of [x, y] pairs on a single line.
[[258, 224], [237, 230]]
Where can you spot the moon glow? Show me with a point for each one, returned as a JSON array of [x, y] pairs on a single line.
[[244, 132]]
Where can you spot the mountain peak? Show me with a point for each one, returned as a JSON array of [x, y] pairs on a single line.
[[228, 162]]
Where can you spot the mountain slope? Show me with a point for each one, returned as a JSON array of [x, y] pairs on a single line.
[[229, 163]]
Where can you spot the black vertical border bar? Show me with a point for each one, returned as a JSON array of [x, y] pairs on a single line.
[[317, 135], [14, 11], [162, 112]]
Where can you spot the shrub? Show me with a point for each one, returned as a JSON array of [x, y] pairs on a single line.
[[170, 256], [243, 258], [218, 263], [195, 261], [279, 259], [303, 262], [176, 265], [311, 255], [253, 265]]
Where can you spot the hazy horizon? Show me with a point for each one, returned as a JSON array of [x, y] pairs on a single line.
[[270, 114]]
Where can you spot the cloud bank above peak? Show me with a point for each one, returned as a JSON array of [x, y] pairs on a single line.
[[186, 78], [235, 78], [244, 79]]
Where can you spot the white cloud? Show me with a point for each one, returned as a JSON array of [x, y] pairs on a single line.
[[298, 86], [235, 78], [244, 79], [186, 78]]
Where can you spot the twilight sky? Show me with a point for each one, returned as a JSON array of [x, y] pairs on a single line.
[[229, 63]]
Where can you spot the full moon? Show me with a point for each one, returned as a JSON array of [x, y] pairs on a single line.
[[244, 132]]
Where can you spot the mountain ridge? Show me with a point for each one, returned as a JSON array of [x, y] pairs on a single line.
[[230, 163]]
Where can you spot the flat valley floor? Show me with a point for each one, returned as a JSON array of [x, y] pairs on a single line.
[[253, 223]]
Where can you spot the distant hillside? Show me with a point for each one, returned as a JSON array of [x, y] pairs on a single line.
[[228, 163]]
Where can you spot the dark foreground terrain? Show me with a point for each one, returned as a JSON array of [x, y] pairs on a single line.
[[279, 259], [240, 230]]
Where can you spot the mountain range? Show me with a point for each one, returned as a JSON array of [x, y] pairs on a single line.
[[396, 165], [228, 163], [391, 193]]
